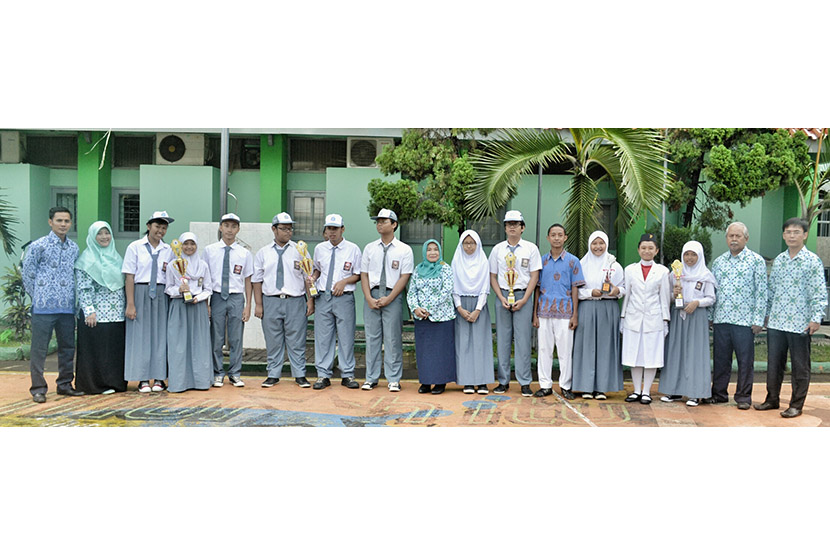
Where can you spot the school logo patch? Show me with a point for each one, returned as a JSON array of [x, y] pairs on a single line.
[[201, 281], [699, 286], [525, 263], [347, 266], [296, 265], [164, 267], [395, 265], [237, 269]]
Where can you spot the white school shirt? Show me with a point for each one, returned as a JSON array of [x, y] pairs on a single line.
[[399, 260], [198, 280], [241, 266], [265, 270], [138, 261], [346, 263], [528, 259]]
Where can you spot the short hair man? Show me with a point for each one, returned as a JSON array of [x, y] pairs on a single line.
[[514, 320], [385, 268], [555, 312], [797, 298], [281, 302], [738, 315], [49, 278], [336, 271], [231, 267]]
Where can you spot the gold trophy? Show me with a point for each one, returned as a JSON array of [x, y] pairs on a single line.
[[307, 265], [181, 266], [677, 268], [510, 276]]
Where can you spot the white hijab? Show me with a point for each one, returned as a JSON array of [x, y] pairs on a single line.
[[194, 261], [694, 274], [470, 273], [594, 268]]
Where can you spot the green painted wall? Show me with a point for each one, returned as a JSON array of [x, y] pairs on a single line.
[[307, 181], [273, 167], [245, 185], [94, 183], [187, 193]]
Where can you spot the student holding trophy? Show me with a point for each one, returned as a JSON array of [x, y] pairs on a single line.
[[687, 370], [189, 353]]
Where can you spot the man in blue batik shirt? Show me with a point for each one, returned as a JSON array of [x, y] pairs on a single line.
[[49, 278]]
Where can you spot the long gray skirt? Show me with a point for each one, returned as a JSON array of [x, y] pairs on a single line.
[[145, 344], [474, 346], [687, 370], [597, 363], [189, 353]]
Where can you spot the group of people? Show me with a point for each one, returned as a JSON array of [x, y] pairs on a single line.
[[163, 312]]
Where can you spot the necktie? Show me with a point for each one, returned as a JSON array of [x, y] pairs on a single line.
[[226, 273], [382, 283], [513, 248], [154, 270], [331, 273], [280, 271]]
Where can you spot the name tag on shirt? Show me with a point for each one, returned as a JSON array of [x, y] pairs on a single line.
[[525, 263], [237, 269], [347, 266], [699, 286], [164, 267], [201, 281], [296, 265], [395, 265]]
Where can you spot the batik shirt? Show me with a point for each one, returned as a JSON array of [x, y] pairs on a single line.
[[49, 275], [742, 289], [797, 292], [433, 294], [557, 278], [107, 305]]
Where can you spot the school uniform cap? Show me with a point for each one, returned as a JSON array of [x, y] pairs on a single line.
[[386, 213], [648, 237], [513, 216], [334, 220], [161, 215], [282, 218], [230, 216]]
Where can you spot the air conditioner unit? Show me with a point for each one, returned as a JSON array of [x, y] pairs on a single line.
[[362, 151], [11, 147], [181, 149]]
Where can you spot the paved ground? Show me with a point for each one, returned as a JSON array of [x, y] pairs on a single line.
[[288, 405]]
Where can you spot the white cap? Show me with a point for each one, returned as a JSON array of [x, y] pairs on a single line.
[[229, 216], [386, 213], [161, 215], [282, 218], [513, 216], [334, 220]]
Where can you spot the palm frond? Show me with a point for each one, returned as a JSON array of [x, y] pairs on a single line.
[[641, 153], [580, 213], [7, 223], [502, 162]]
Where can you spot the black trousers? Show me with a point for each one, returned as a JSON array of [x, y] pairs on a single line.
[[778, 343], [64, 327], [726, 339]]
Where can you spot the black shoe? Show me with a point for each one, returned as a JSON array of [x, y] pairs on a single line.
[[439, 388], [349, 382], [269, 382], [501, 388], [526, 391], [39, 398], [568, 394], [766, 406], [542, 392], [321, 383], [633, 397], [425, 389], [70, 392], [790, 412], [713, 400], [302, 382], [645, 399], [743, 405]]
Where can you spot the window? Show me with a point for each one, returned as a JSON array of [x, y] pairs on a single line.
[[315, 155], [53, 151], [607, 216], [126, 213], [67, 197], [308, 209], [490, 229], [418, 232], [823, 222]]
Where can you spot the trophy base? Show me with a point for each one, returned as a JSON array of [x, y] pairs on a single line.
[[678, 302], [511, 299], [312, 291]]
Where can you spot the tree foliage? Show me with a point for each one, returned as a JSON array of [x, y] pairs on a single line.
[[435, 173], [676, 237], [7, 222]]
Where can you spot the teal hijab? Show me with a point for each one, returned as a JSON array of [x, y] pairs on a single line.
[[102, 264], [427, 269]]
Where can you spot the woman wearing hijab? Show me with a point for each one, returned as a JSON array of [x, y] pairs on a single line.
[[430, 301], [688, 370], [596, 355], [644, 319], [100, 355], [473, 332], [189, 352]]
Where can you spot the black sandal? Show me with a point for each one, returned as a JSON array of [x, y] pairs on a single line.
[[634, 397]]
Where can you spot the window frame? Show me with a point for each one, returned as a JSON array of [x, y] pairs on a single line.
[[315, 237], [117, 192], [63, 190], [293, 140]]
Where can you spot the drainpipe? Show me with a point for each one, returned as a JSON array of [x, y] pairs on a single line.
[[223, 171], [663, 222], [539, 208]]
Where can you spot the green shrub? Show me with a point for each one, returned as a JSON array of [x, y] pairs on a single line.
[[18, 314], [677, 237]]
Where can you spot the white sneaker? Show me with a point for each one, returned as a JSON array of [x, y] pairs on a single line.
[[394, 387], [236, 381], [219, 382], [144, 387], [368, 385], [110, 391], [692, 402]]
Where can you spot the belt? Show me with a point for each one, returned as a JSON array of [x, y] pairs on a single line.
[[284, 296], [148, 283], [514, 289]]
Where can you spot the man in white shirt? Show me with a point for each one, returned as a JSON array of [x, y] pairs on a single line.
[[385, 268], [514, 321], [336, 271], [231, 267], [280, 295]]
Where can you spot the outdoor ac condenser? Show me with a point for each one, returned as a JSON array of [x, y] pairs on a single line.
[[11, 147], [181, 149], [362, 151]]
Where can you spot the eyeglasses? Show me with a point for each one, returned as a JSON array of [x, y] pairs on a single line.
[[793, 232], [285, 228]]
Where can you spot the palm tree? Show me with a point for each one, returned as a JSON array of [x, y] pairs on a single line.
[[631, 158], [816, 177], [7, 223]]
